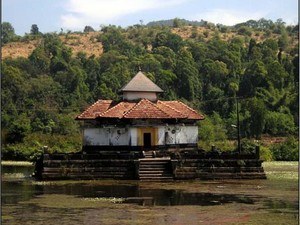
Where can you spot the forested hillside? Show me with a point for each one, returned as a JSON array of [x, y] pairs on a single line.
[[206, 66]]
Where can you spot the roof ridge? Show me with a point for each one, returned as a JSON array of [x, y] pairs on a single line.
[[163, 102], [189, 108], [155, 105], [186, 106], [99, 100], [148, 101], [114, 107], [108, 110], [132, 108]]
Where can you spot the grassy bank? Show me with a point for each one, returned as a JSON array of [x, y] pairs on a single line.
[[16, 163]]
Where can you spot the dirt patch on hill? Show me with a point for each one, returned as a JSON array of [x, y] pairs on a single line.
[[85, 42], [19, 49]]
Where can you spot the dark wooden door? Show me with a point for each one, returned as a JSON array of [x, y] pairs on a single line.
[[147, 140]]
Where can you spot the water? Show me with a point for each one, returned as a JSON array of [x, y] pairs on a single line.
[[26, 201]]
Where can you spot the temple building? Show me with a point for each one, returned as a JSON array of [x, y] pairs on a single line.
[[144, 138], [140, 121]]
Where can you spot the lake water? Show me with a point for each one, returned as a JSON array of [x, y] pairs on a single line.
[[271, 201]]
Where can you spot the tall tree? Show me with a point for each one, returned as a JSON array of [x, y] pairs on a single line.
[[189, 86], [7, 32], [34, 29]]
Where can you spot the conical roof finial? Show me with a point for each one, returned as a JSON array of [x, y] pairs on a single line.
[[140, 68]]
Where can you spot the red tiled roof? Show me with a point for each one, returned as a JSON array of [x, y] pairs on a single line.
[[118, 110], [184, 109], [174, 113], [96, 109], [144, 109]]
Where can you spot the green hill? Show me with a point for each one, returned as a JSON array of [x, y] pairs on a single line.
[[56, 76]]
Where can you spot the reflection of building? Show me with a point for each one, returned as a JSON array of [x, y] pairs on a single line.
[[140, 120]]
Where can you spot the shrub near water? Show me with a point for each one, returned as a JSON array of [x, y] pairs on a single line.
[[33, 144]]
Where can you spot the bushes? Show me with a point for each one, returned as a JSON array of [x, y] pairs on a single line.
[[278, 123], [286, 151], [212, 128], [18, 152], [33, 143], [225, 145], [265, 153], [244, 31]]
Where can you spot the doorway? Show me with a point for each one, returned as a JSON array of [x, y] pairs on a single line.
[[147, 140]]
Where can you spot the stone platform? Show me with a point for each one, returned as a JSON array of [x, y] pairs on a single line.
[[150, 166]]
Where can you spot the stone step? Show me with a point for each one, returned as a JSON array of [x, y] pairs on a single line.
[[153, 162], [154, 176], [166, 159], [154, 173], [219, 169], [153, 169], [81, 176], [156, 179], [85, 169], [152, 166]]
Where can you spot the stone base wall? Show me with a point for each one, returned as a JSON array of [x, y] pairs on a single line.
[[186, 164], [206, 169], [84, 167]]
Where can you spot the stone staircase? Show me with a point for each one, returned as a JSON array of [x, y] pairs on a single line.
[[155, 169], [148, 154]]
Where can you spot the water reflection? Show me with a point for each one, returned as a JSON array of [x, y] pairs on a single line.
[[24, 188]]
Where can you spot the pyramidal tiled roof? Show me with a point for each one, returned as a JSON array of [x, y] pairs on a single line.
[[141, 83], [143, 109]]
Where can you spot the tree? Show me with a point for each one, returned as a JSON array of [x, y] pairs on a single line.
[[19, 129], [254, 77], [277, 75], [166, 56], [34, 30], [8, 32], [257, 119], [40, 59], [212, 128], [177, 23], [278, 123], [189, 86], [283, 40], [168, 39], [252, 44], [88, 29], [244, 31]]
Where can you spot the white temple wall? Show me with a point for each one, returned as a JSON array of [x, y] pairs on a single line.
[[133, 133], [152, 96], [133, 136], [105, 136], [178, 134]]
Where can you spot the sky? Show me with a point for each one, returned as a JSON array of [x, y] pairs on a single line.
[[74, 15]]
